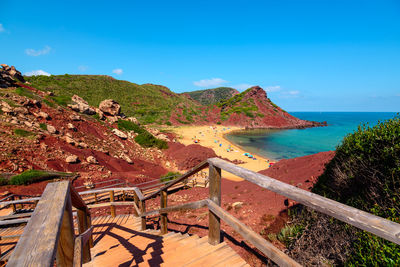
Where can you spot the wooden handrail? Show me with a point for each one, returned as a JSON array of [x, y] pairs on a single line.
[[192, 171], [186, 206], [379, 226], [49, 233], [249, 235]]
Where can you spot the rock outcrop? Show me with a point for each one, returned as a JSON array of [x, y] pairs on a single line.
[[110, 107], [9, 76], [80, 105]]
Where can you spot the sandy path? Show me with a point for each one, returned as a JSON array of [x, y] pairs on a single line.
[[213, 137]]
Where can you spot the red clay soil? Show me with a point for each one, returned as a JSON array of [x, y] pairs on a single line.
[[187, 157]]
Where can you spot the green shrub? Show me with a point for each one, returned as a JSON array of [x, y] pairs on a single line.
[[43, 126], [130, 126], [148, 140], [365, 174], [3, 181], [23, 133], [289, 233], [32, 176], [170, 176]]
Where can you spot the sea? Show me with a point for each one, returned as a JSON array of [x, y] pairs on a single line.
[[290, 143]]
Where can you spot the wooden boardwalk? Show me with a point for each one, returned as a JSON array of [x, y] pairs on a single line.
[[119, 242]]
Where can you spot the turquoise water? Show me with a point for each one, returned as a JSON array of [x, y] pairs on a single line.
[[283, 144]]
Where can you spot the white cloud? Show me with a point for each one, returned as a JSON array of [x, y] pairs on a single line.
[[210, 82], [273, 88], [293, 92], [118, 71], [83, 68], [242, 86], [37, 73], [35, 53], [2, 28]]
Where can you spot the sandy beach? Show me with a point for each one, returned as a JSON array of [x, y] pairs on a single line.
[[213, 137]]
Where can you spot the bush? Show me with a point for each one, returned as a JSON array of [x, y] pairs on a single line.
[[23, 133], [43, 126], [170, 176], [144, 138], [365, 174], [32, 176], [130, 126], [148, 140]]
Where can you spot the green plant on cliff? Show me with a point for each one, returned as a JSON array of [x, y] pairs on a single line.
[[32, 176], [144, 138], [149, 103], [365, 173]]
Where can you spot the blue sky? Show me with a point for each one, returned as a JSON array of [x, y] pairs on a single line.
[[310, 55]]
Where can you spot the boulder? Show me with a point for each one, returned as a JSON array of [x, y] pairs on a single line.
[[51, 129], [133, 119], [81, 106], [43, 115], [75, 118], [119, 133], [92, 160], [110, 107], [71, 127], [163, 137], [72, 159], [69, 140]]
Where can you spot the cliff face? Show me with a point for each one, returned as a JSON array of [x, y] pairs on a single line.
[[252, 108]]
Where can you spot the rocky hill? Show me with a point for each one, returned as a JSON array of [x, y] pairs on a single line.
[[212, 96]]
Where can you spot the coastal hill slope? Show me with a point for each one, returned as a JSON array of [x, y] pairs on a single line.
[[212, 96], [156, 104], [253, 109]]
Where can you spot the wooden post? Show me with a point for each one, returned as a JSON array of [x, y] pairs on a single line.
[[66, 241], [123, 195], [95, 198], [136, 199], [14, 208], [89, 224], [112, 208], [164, 217], [143, 210], [214, 225], [82, 226]]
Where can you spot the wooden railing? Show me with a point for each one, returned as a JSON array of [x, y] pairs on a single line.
[[49, 234], [379, 226], [57, 223]]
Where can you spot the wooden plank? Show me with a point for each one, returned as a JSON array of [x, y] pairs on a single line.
[[12, 216], [37, 245], [112, 207], [77, 201], [115, 189], [83, 226], [214, 225], [186, 206], [255, 239], [26, 200], [142, 206], [16, 221], [379, 226], [138, 193], [163, 217], [192, 171], [107, 204], [78, 258], [66, 240]]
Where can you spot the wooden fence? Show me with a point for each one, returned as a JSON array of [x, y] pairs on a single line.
[[57, 225]]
